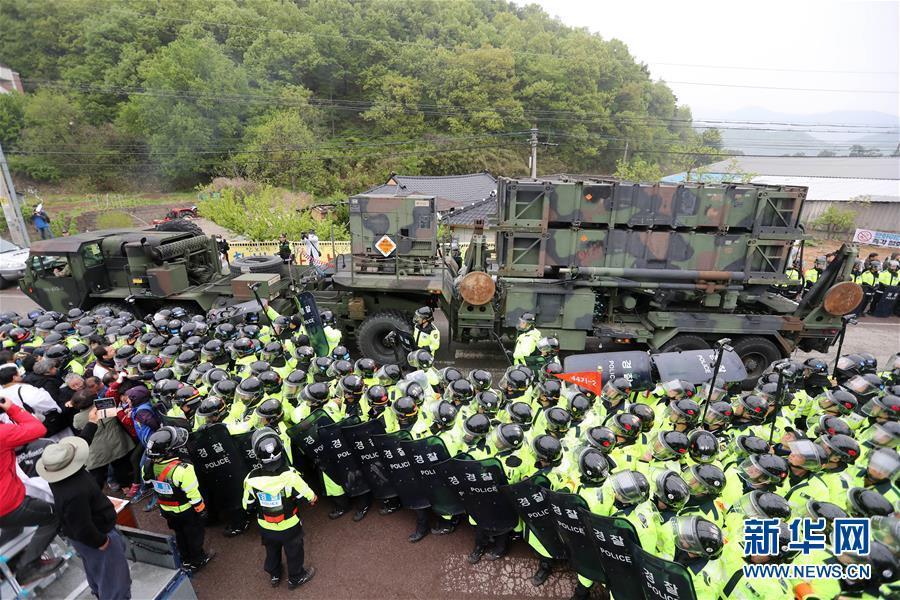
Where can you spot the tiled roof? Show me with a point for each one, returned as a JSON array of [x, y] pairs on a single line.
[[451, 191], [886, 167], [485, 209]]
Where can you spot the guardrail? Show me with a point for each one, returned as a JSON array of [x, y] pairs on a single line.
[[270, 248]]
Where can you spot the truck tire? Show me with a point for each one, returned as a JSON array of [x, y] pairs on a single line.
[[256, 264], [757, 353], [182, 225], [370, 335], [5, 283], [684, 341]]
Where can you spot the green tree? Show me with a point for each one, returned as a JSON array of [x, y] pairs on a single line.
[[12, 117], [860, 150], [196, 109], [834, 220], [638, 169], [826, 153]]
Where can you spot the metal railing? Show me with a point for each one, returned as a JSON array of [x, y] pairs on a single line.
[[244, 248]]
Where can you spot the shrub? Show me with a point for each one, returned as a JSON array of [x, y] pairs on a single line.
[[835, 220]]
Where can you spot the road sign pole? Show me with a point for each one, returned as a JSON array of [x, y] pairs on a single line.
[[10, 202]]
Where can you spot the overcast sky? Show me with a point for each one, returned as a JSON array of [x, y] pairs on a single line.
[[811, 39]]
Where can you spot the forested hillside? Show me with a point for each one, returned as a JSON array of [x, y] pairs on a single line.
[[325, 96]]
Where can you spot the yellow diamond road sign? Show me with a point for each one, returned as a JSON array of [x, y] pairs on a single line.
[[386, 246]]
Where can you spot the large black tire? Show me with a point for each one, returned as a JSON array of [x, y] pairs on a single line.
[[757, 353], [256, 264], [371, 333], [183, 225], [5, 283], [684, 341]]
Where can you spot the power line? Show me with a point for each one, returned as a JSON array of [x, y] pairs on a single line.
[[791, 89], [776, 69]]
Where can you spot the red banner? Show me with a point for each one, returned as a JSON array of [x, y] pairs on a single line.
[[590, 380]]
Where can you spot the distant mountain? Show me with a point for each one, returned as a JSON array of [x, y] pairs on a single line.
[[750, 130]]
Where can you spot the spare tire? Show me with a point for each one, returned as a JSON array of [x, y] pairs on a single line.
[[182, 225], [256, 264]]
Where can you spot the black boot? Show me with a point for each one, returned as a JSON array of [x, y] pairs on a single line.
[[475, 555], [543, 573]]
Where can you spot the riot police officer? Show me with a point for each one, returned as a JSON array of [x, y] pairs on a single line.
[[274, 492], [425, 332]]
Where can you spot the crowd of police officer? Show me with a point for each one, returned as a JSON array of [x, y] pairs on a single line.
[[875, 277], [685, 465]]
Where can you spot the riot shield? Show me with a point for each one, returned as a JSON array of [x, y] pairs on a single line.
[[633, 366], [410, 465], [304, 436], [312, 323], [696, 366], [359, 440], [243, 441], [614, 540], [530, 500], [479, 482], [332, 455], [220, 466], [28, 455], [884, 307], [443, 485], [660, 578]]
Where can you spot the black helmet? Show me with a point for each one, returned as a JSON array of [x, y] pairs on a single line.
[[271, 381], [625, 425], [61, 353], [243, 346], [558, 421], [677, 389], [508, 436], [476, 427], [268, 448], [249, 391], [762, 505], [864, 387], [617, 389], [548, 392], [718, 414], [413, 389], [879, 407], [212, 408], [579, 404], [830, 425], [705, 480], [521, 414], [848, 366], [185, 362], [225, 332], [630, 487], [225, 389], [443, 414], [352, 388], [340, 352], [593, 466], [420, 359], [526, 322], [449, 375], [745, 445], [423, 315], [817, 509], [683, 411], [259, 366], [294, 383], [844, 447], [319, 368], [187, 395], [602, 439], [315, 394], [460, 392], [514, 383], [670, 489], [815, 372], [406, 410], [550, 370], [250, 331], [166, 441], [388, 375], [765, 469], [150, 364], [670, 445], [696, 535], [64, 328], [704, 446], [547, 449], [754, 408], [862, 502], [645, 414], [304, 356], [377, 396], [270, 411], [327, 318], [837, 401], [488, 402], [338, 369], [273, 351], [548, 346], [480, 379], [364, 367]]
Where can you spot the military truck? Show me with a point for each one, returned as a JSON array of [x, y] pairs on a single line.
[[147, 270], [662, 266]]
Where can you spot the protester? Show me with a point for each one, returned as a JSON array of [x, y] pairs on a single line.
[[17, 509], [35, 400], [88, 518], [41, 221], [110, 446]]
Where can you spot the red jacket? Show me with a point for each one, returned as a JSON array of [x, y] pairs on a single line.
[[23, 429]]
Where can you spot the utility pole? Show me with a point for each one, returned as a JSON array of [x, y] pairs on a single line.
[[625, 156], [10, 202], [534, 143]]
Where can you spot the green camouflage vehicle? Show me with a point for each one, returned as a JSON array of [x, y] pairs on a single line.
[[147, 270], [665, 266]]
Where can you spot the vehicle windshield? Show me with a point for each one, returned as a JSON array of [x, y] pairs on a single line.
[[50, 266], [6, 246]]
